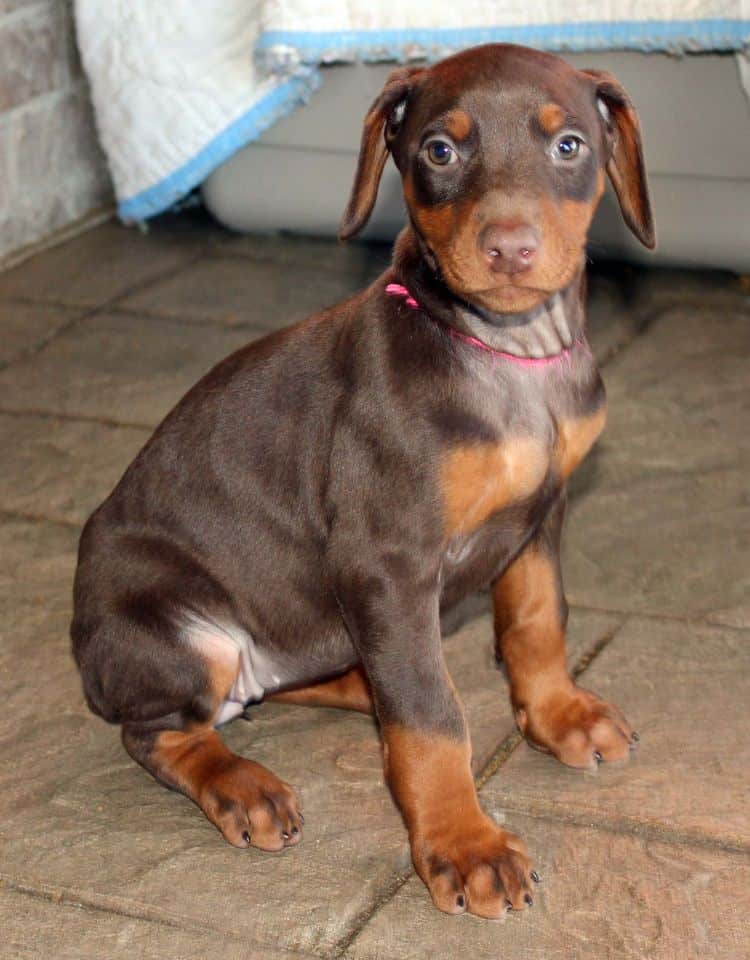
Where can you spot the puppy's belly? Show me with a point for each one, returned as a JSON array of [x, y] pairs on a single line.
[[251, 670]]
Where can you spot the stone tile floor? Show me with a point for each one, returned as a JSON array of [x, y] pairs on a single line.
[[98, 338]]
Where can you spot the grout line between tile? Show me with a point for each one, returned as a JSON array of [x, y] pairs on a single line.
[[387, 893], [703, 618], [78, 418], [104, 904], [588, 656], [644, 323], [94, 218], [11, 515], [35, 348], [220, 252], [89, 312], [498, 759], [120, 906], [189, 320], [626, 826], [514, 739], [140, 285]]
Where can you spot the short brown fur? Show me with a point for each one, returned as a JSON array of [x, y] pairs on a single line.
[[480, 479]]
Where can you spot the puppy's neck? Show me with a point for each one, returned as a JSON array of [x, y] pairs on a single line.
[[545, 331]]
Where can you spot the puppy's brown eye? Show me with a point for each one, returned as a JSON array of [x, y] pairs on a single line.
[[568, 147], [441, 153]]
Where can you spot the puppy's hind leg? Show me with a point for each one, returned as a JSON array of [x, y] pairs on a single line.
[[246, 802], [350, 691], [166, 678]]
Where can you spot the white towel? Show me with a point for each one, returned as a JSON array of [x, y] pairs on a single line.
[[176, 91]]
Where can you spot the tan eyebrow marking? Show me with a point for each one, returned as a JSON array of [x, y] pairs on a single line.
[[458, 124], [551, 117]]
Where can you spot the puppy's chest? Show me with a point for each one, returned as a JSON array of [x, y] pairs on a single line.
[[480, 480]]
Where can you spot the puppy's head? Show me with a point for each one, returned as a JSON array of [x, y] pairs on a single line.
[[502, 151]]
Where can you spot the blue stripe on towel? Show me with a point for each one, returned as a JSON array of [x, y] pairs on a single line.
[[651, 35], [674, 36], [164, 194]]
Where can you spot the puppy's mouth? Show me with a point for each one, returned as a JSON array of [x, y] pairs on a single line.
[[530, 323], [542, 333], [506, 298]]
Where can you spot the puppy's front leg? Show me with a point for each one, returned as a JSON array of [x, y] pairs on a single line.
[[553, 712], [466, 860]]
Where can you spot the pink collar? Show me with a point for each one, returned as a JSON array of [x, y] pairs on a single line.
[[399, 290]]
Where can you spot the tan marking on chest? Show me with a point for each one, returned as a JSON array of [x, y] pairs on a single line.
[[479, 479], [575, 438]]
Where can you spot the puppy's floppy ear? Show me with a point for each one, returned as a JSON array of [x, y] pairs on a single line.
[[382, 124], [626, 167]]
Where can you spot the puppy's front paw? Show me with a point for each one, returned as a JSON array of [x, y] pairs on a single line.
[[475, 867], [577, 727], [252, 807]]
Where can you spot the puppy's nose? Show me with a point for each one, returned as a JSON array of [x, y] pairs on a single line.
[[509, 248]]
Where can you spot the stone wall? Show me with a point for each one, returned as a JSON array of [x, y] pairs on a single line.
[[52, 171]]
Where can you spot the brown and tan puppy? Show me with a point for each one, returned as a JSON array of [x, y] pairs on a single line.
[[298, 522]]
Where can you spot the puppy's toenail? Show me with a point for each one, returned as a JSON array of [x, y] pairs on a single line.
[[535, 876], [529, 900], [285, 835], [598, 757], [508, 904], [460, 901], [246, 836], [295, 831], [635, 738]]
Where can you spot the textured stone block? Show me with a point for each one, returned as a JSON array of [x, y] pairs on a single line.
[[62, 469], [603, 896], [11, 6], [27, 326], [236, 290], [38, 926], [117, 367], [361, 261], [684, 688], [660, 519], [98, 266]]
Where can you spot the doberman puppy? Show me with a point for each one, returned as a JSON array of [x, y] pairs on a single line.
[[297, 523]]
